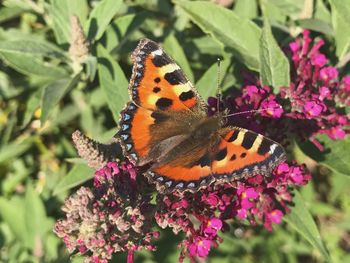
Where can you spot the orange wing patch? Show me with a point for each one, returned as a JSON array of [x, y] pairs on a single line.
[[169, 177], [243, 153], [158, 83], [134, 134]]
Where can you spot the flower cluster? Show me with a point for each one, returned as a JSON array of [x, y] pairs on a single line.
[[117, 215], [314, 103], [253, 201], [110, 218]]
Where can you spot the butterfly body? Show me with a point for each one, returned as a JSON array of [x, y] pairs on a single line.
[[166, 126]]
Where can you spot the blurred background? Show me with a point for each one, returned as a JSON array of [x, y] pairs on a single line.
[[53, 82]]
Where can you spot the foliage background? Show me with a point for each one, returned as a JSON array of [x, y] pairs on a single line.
[[46, 93]]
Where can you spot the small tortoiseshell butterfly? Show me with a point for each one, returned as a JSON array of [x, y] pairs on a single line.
[[166, 126]]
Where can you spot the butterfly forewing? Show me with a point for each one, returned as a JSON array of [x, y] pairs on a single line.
[[163, 105]]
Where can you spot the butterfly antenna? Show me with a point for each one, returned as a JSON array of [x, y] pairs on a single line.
[[218, 87], [251, 111]]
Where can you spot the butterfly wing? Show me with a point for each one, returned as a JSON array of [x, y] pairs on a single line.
[[241, 153], [164, 105], [154, 129], [230, 155]]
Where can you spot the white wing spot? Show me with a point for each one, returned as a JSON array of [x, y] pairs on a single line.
[[157, 52], [272, 148]]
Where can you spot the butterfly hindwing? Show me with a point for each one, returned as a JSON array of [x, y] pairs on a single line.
[[242, 153], [237, 153]]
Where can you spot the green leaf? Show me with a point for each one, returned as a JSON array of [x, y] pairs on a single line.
[[33, 103], [291, 8], [322, 12], [207, 84], [316, 25], [12, 212], [30, 64], [35, 216], [7, 13], [79, 8], [120, 29], [15, 149], [113, 82], [79, 174], [172, 46], [336, 156], [31, 47], [101, 16], [61, 12], [341, 25], [274, 66], [301, 220], [274, 13], [91, 67], [53, 93], [340, 185], [246, 8], [239, 35]]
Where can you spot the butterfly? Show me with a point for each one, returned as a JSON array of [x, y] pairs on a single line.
[[166, 128]]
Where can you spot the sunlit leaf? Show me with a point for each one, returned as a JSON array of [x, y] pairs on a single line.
[[341, 25], [113, 81], [336, 156], [120, 29], [274, 66], [322, 12], [53, 93], [100, 17], [15, 149], [207, 84], [246, 8], [7, 13], [301, 220], [79, 174], [31, 47], [239, 35], [316, 25], [34, 216], [61, 12], [12, 212], [32, 65]]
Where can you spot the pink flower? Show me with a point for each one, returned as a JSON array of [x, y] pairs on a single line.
[[294, 46], [324, 92], [242, 213], [319, 60], [273, 109], [346, 82], [336, 133], [282, 168], [328, 73], [296, 175], [251, 90], [312, 109], [213, 226], [276, 216], [200, 247]]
